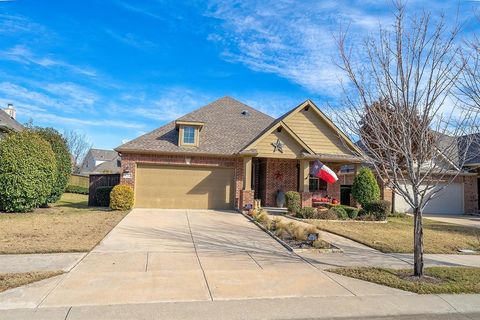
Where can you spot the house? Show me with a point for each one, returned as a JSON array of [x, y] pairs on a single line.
[[100, 161], [460, 196], [226, 154], [8, 122]]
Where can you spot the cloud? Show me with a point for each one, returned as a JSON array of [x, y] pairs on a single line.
[[14, 24], [24, 55], [131, 39], [64, 97], [52, 118], [294, 39], [166, 104]]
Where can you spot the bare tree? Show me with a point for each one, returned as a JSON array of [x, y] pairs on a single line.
[[399, 103], [78, 145], [469, 83]]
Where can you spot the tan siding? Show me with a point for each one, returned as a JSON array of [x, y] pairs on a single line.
[[317, 134], [291, 148]]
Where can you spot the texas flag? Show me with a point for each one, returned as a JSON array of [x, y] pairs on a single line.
[[323, 172]]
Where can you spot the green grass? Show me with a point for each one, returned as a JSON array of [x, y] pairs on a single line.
[[13, 280], [397, 235], [438, 279], [67, 226]]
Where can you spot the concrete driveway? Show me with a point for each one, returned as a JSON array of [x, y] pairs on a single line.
[[464, 220], [186, 255]]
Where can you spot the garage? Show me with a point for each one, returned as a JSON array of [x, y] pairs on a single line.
[[179, 187], [450, 201]]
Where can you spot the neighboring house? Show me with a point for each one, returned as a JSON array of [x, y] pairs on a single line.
[[460, 196], [8, 122], [100, 161], [226, 154]]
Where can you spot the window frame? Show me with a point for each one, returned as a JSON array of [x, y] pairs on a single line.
[[182, 136], [318, 184]]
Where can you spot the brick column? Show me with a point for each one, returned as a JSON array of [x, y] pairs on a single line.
[[246, 198], [306, 199]]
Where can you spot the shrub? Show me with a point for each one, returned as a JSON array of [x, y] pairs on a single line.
[[102, 196], [293, 202], [340, 212], [121, 198], [307, 213], [300, 232], [326, 214], [27, 171], [62, 158], [379, 209], [76, 189], [351, 212], [260, 216], [365, 187]]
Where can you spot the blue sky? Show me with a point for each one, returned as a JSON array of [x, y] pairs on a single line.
[[116, 69]]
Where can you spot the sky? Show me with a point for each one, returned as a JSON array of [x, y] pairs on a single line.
[[116, 69]]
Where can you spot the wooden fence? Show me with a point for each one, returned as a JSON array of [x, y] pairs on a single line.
[[100, 180], [78, 180]]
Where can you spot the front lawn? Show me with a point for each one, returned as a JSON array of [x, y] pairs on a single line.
[[438, 279], [68, 226], [13, 280], [397, 235]]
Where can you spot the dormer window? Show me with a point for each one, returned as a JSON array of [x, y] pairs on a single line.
[[189, 133]]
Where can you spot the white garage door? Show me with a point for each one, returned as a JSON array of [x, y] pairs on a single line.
[[449, 201]]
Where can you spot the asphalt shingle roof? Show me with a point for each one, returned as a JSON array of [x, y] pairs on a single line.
[[229, 126], [7, 122]]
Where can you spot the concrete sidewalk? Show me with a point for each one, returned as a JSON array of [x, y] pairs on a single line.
[[366, 307], [39, 262]]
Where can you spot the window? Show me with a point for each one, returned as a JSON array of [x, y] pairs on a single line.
[[188, 135], [119, 163], [317, 184]]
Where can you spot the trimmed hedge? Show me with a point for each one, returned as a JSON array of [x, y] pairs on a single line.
[[62, 158], [121, 198], [307, 213], [293, 202], [351, 212], [365, 188], [102, 196], [27, 171], [340, 212], [379, 209], [76, 189]]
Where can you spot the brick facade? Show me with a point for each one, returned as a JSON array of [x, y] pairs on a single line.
[[306, 199], [280, 174], [246, 198], [470, 194]]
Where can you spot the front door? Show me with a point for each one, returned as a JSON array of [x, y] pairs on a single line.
[[345, 192]]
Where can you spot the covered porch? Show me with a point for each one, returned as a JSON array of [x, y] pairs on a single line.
[[264, 177]]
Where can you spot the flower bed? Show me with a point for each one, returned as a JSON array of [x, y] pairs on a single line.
[[293, 235], [339, 212]]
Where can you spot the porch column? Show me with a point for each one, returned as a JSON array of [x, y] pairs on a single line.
[[247, 173], [304, 187], [246, 194], [304, 176]]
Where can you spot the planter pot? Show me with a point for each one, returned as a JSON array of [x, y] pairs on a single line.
[[280, 199]]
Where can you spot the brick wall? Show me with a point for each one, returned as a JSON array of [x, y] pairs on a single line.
[[470, 194], [280, 174], [129, 162]]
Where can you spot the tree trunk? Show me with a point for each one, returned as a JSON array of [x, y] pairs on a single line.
[[418, 243]]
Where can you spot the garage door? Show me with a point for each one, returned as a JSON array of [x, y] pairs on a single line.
[[450, 201], [174, 187]]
